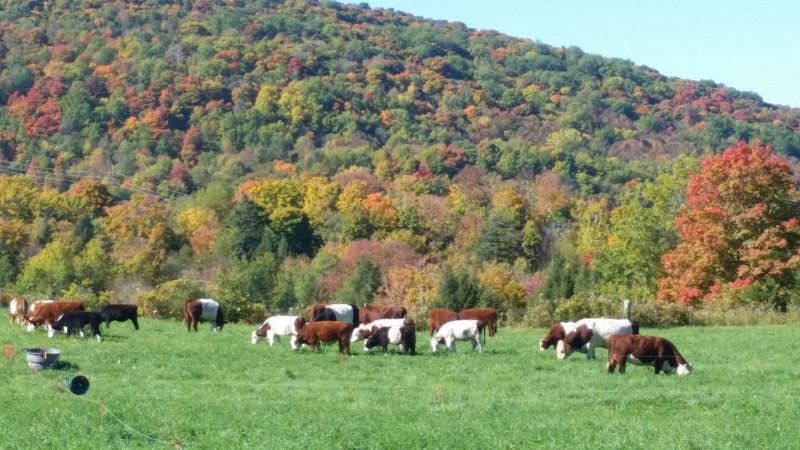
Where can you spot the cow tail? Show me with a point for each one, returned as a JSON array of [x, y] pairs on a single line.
[[634, 327]]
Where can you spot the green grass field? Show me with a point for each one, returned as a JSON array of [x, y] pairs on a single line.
[[219, 391]]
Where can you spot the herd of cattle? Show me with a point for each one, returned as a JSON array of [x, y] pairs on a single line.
[[378, 326]]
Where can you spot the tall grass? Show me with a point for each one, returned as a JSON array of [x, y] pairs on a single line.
[[219, 391]]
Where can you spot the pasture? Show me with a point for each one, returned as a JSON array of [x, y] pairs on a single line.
[[219, 391]]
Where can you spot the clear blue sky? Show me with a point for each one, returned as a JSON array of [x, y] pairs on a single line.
[[750, 45]]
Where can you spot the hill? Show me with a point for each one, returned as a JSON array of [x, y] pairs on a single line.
[[257, 150]]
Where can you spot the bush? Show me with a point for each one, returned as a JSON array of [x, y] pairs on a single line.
[[166, 301]]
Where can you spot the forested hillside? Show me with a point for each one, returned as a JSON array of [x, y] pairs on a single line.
[[274, 154]]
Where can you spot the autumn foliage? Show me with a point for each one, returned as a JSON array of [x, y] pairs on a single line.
[[739, 227]]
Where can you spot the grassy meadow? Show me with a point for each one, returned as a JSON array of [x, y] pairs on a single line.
[[219, 391]]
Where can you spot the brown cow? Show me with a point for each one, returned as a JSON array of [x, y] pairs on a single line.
[[324, 331], [439, 317], [17, 308], [487, 315], [371, 313], [645, 350], [45, 312], [203, 310]]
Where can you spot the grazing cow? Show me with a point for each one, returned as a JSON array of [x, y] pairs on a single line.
[[645, 350], [487, 315], [17, 308], [556, 333], [404, 336], [363, 331], [120, 313], [335, 311], [458, 330], [589, 336], [203, 310], [439, 317], [74, 322], [324, 331], [45, 312], [371, 313], [275, 327]]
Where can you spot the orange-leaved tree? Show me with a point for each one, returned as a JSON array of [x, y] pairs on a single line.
[[738, 229]]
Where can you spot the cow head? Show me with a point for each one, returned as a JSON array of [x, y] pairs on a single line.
[[436, 342], [555, 334], [684, 369], [260, 333], [574, 340]]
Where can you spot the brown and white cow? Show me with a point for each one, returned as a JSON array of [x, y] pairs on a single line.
[[46, 312], [486, 315], [273, 328], [203, 310], [593, 333], [371, 313], [323, 331], [17, 308], [645, 350], [557, 333], [438, 317]]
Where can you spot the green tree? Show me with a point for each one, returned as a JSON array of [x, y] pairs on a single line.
[[361, 285]]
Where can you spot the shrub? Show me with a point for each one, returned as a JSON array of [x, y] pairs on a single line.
[[166, 301]]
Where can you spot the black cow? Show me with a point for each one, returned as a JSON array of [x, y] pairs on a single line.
[[74, 323], [120, 313]]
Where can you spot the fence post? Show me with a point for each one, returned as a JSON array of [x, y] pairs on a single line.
[[626, 309]]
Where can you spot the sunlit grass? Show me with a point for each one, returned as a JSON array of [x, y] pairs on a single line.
[[219, 391]]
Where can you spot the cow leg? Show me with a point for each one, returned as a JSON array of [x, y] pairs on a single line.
[[135, 323], [658, 364], [622, 363], [612, 363], [194, 324]]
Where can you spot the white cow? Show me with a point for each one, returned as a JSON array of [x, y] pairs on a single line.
[[458, 330], [362, 331], [275, 327], [593, 333]]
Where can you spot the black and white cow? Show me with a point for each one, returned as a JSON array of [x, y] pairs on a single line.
[[403, 336], [74, 322]]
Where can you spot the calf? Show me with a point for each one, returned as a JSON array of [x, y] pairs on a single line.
[[458, 330], [120, 313], [323, 331], [335, 311], [487, 315], [404, 336], [74, 322], [45, 312], [645, 350], [438, 317], [203, 310], [275, 327], [17, 308], [371, 313], [590, 335], [363, 331]]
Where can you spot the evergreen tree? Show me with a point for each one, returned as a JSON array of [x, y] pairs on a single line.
[[359, 288]]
